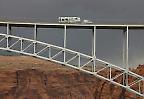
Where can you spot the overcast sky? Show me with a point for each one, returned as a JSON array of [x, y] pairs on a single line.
[[96, 10], [99, 11]]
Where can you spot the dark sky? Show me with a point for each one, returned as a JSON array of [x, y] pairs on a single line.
[[96, 10], [109, 42]]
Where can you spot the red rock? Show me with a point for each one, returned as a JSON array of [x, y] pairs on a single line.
[[23, 77]]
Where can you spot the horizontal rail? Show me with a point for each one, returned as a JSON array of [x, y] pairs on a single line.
[[80, 25]]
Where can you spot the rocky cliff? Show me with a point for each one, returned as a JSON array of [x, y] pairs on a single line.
[[23, 77]]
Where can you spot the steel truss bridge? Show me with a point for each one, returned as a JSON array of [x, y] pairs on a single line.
[[91, 64]]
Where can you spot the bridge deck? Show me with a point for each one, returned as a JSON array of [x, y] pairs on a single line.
[[79, 25]]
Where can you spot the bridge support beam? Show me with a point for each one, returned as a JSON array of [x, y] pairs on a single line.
[[125, 54], [94, 47], [64, 42], [94, 42], [125, 48], [8, 33], [35, 38]]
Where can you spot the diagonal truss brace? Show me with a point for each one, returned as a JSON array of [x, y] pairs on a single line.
[[78, 54]]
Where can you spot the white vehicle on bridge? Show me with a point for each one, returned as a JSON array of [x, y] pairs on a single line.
[[69, 19], [87, 22], [73, 20]]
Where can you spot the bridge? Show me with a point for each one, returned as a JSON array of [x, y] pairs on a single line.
[[74, 59]]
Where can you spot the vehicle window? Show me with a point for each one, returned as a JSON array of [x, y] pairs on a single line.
[[66, 19]]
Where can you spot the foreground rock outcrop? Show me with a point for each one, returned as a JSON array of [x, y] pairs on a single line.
[[23, 77]]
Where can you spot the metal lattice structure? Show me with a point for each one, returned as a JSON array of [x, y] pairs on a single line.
[[91, 65]]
